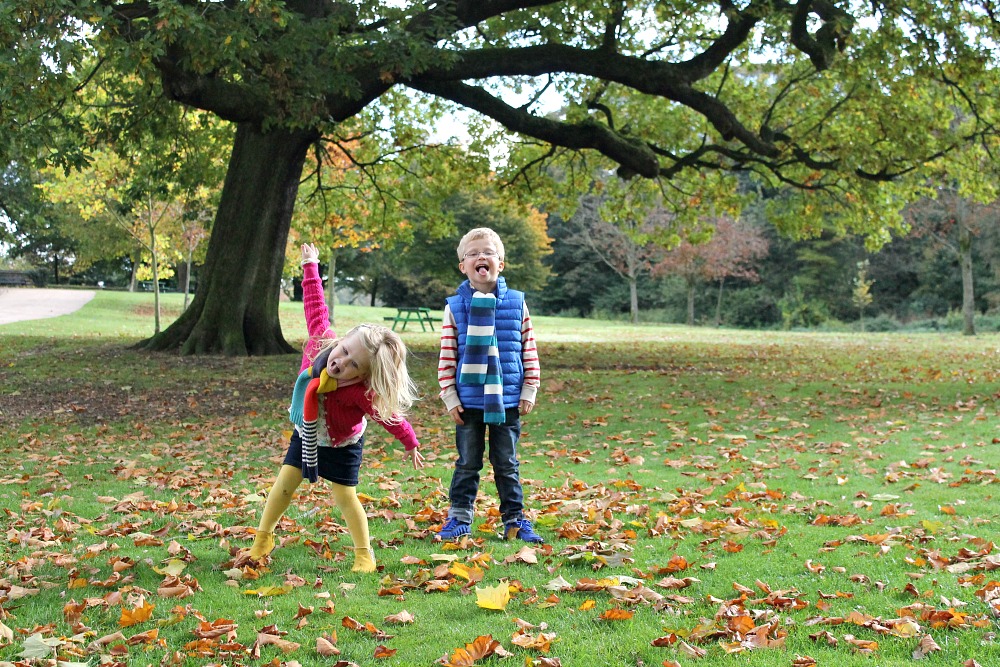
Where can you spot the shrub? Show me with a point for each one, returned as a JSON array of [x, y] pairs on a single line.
[[797, 312], [751, 308], [881, 322]]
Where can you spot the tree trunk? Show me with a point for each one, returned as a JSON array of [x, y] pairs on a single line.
[[235, 308], [690, 304], [187, 277], [633, 298], [133, 274], [968, 291], [718, 304], [156, 272]]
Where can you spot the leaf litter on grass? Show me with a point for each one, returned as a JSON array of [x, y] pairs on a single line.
[[666, 508]]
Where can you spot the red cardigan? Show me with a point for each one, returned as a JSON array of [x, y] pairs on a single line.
[[346, 406]]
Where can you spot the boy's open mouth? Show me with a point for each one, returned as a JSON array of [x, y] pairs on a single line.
[[483, 268]]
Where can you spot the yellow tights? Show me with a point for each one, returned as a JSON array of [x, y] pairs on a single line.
[[356, 519], [346, 498], [278, 499]]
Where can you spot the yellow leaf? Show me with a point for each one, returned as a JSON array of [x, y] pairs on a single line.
[[471, 574], [173, 567], [932, 526], [495, 597], [267, 591]]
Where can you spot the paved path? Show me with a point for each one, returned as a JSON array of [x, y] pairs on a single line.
[[28, 303]]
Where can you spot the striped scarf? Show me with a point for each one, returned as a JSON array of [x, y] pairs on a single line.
[[304, 411], [481, 360]]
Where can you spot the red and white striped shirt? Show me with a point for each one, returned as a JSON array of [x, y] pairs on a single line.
[[448, 360]]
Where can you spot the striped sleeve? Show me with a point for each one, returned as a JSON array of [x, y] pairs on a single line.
[[529, 358], [448, 360]]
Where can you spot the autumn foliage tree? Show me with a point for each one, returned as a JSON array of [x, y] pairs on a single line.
[[731, 251], [833, 97]]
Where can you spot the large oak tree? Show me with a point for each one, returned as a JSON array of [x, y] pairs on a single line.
[[831, 96]]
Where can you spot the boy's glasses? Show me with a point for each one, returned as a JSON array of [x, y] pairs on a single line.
[[489, 254]]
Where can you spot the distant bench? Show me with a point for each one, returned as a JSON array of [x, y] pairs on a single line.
[[15, 279], [406, 315]]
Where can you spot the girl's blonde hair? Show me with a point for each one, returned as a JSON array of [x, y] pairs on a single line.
[[388, 380]]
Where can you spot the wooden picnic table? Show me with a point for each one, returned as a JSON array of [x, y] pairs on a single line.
[[405, 315]]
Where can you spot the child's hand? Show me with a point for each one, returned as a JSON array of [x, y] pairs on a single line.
[[309, 253], [418, 458], [456, 414], [524, 407]]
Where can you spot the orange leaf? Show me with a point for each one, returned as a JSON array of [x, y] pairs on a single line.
[[481, 647], [147, 637], [541, 643], [140, 614], [352, 624], [617, 615], [384, 652]]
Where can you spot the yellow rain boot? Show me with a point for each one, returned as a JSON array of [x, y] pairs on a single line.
[[356, 519], [263, 544], [364, 560]]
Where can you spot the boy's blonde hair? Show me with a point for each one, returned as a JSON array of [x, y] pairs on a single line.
[[475, 235], [388, 380]]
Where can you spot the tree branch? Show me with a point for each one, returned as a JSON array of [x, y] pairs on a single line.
[[831, 36], [633, 156], [668, 80], [446, 17]]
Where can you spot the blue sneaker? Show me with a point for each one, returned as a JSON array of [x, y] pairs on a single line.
[[521, 530], [452, 529]]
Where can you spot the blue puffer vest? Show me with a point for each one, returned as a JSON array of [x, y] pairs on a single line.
[[510, 315]]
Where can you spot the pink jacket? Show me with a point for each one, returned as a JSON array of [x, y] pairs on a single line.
[[346, 406]]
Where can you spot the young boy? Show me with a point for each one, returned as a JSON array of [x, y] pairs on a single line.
[[488, 372]]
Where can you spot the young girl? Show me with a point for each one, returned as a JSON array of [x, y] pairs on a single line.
[[364, 376]]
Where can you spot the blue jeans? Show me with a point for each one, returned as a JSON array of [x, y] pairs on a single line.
[[470, 438]]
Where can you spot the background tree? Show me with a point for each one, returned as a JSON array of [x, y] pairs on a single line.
[[579, 276], [833, 104], [48, 234], [430, 272], [134, 197], [193, 232], [861, 294], [358, 202], [962, 201], [625, 246], [730, 252]]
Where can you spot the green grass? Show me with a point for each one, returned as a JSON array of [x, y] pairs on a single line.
[[849, 473]]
